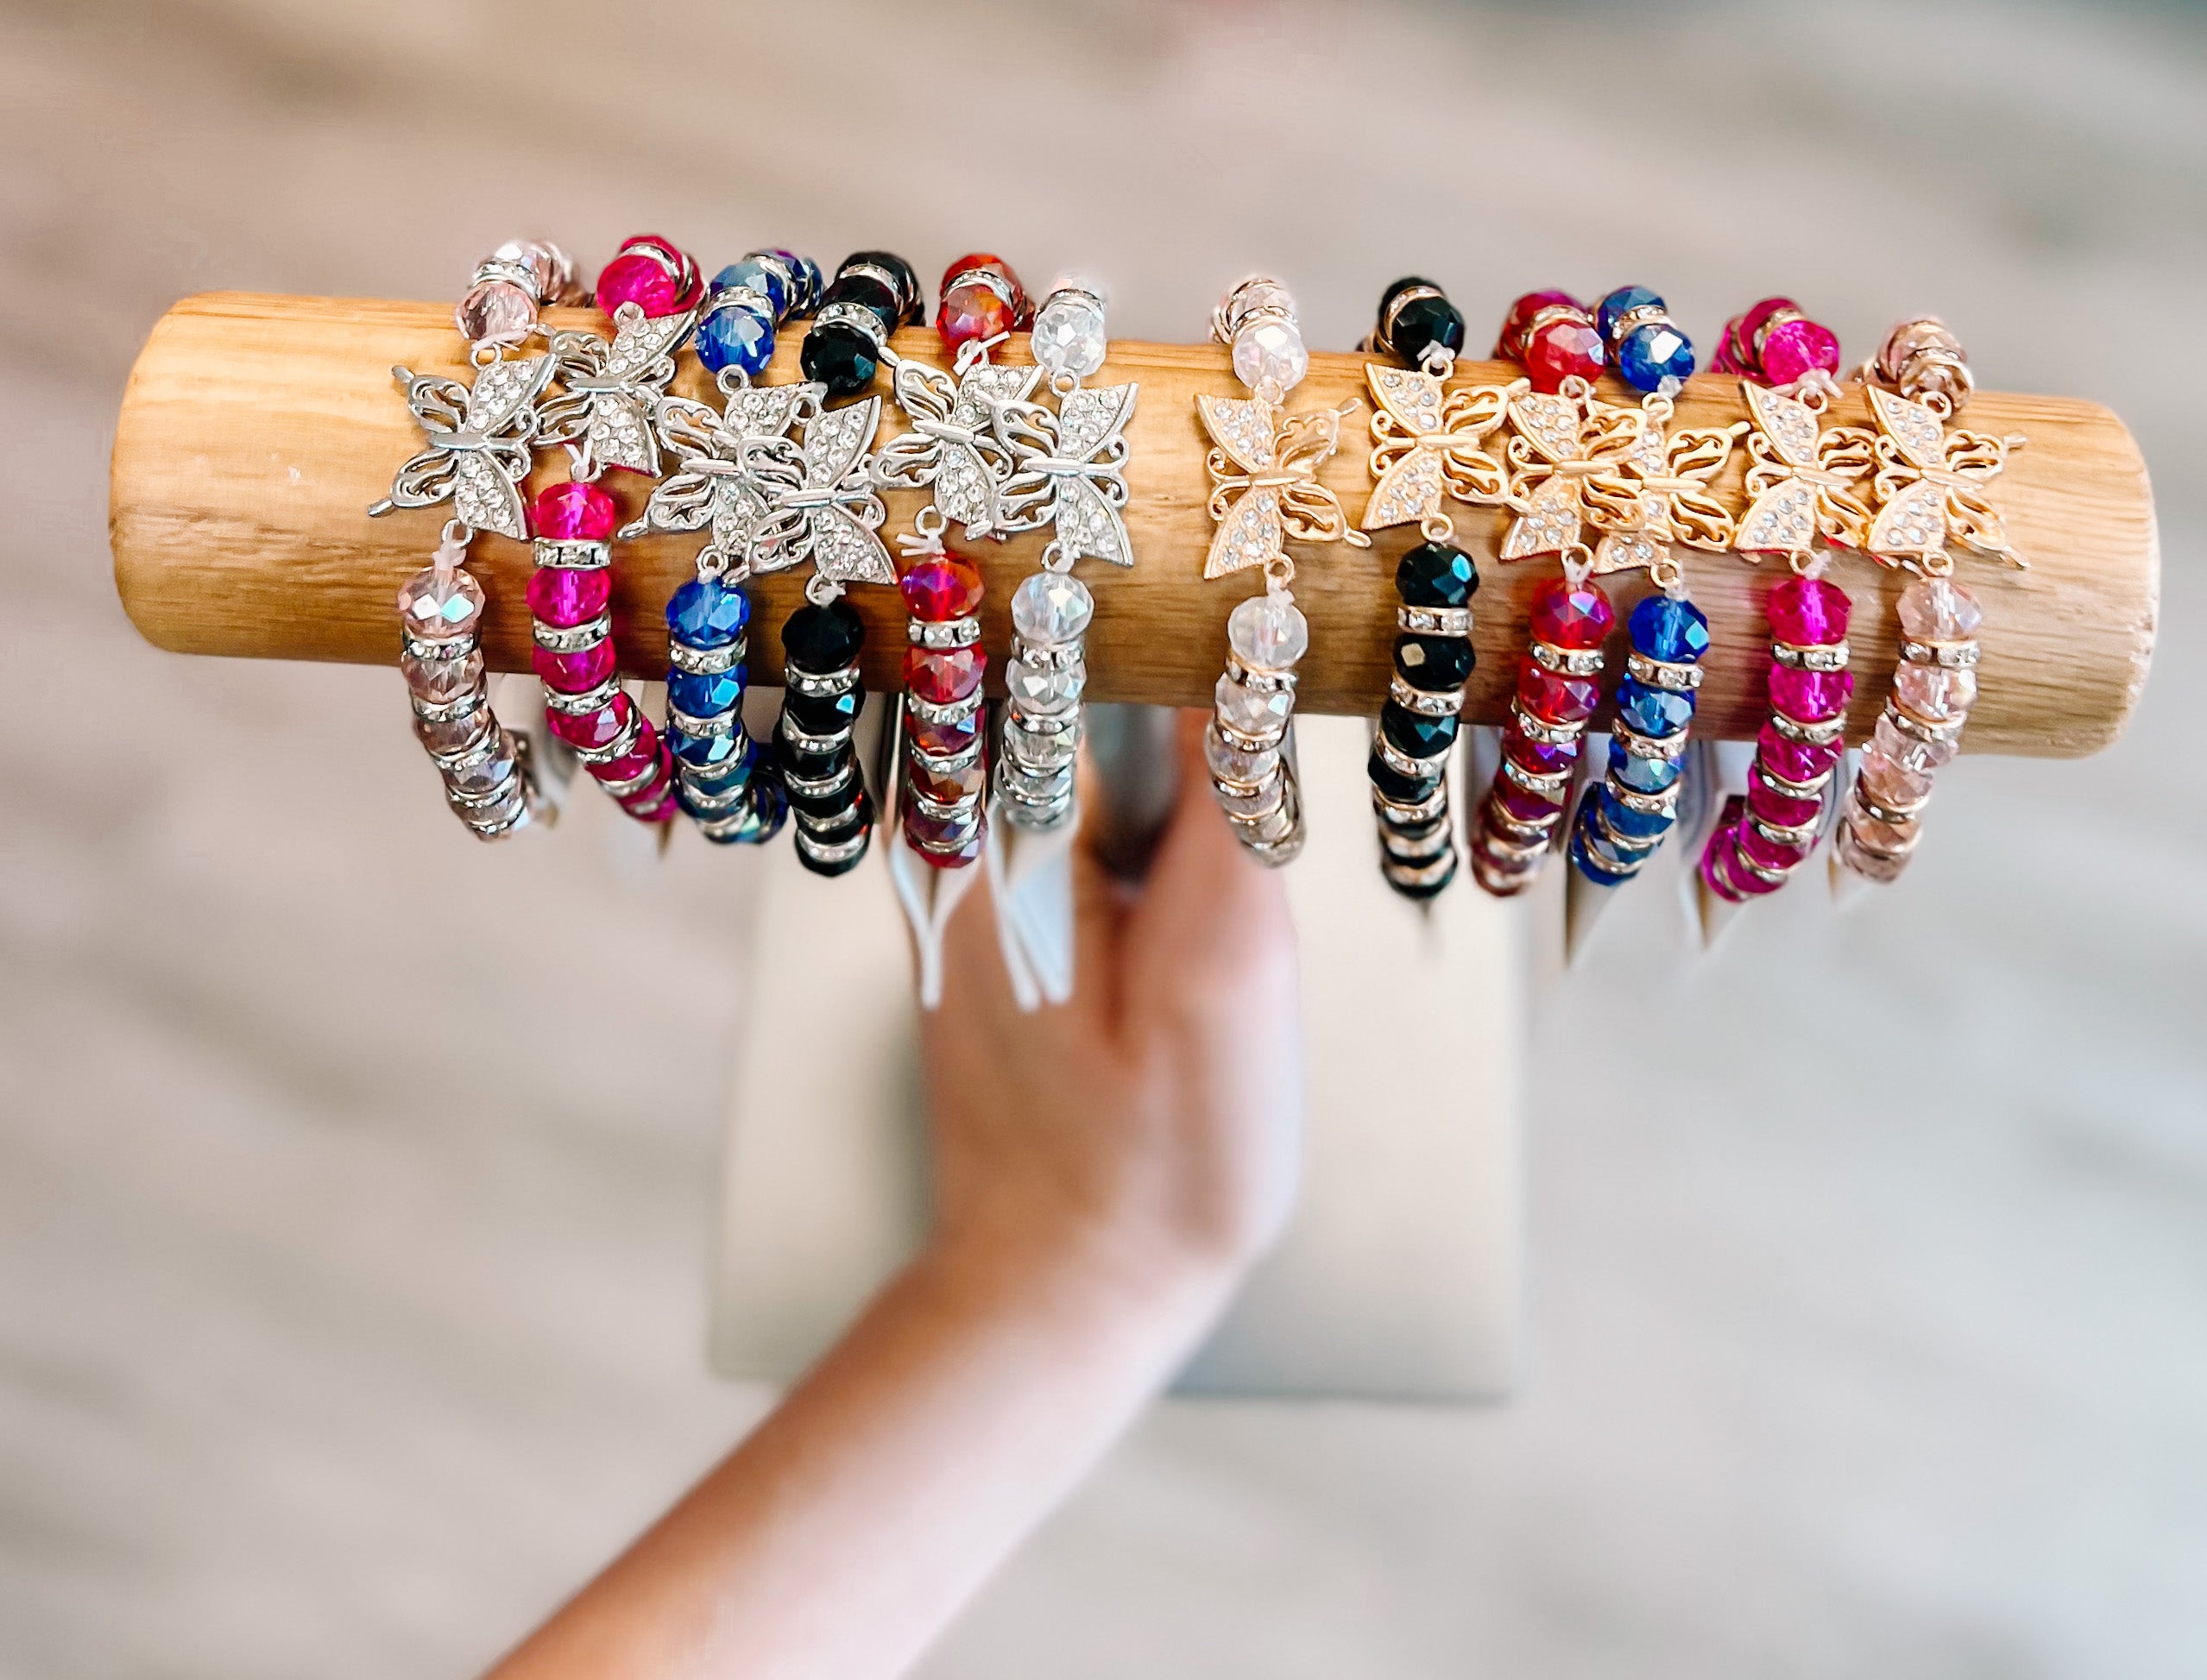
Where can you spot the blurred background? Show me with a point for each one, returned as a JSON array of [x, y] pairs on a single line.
[[351, 1310]]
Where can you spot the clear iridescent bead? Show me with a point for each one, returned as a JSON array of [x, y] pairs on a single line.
[[1068, 332], [1049, 608], [1268, 633]]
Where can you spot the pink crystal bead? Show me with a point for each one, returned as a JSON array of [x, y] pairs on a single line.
[[1871, 866], [436, 606], [568, 596], [1808, 612], [574, 512], [1757, 847], [1878, 835], [1780, 810], [441, 682], [496, 311], [1936, 609], [450, 735], [576, 672], [1894, 784], [1937, 694], [1810, 696], [592, 730], [651, 272], [1793, 348], [1796, 761], [1890, 739], [1574, 616]]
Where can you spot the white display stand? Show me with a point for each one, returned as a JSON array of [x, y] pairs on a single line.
[[1398, 1276]]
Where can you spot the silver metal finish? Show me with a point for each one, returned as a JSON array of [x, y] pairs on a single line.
[[570, 557], [706, 661], [571, 638], [1434, 621], [943, 633]]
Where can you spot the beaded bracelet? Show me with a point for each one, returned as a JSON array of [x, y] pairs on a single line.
[[1068, 473], [1429, 444], [1928, 486], [1264, 491], [1800, 482]]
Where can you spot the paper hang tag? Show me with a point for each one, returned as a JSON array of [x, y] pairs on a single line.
[[1030, 879], [930, 897]]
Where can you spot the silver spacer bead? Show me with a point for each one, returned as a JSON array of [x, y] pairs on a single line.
[[819, 787], [832, 851], [590, 699], [1422, 770], [721, 723], [1571, 661], [571, 638], [949, 764], [635, 783], [845, 313], [572, 557], [940, 633], [1445, 703], [803, 740], [444, 711], [705, 661], [817, 682], [618, 747], [1434, 621], [1049, 656], [951, 711]]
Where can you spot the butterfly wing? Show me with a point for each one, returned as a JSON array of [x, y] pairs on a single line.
[[1782, 521], [1790, 424], [1244, 428], [835, 441], [1088, 523], [641, 342], [505, 393], [1549, 523], [1914, 430], [1409, 488], [1250, 531], [484, 496], [1911, 525], [1546, 422], [987, 384], [965, 487], [844, 550], [618, 433]]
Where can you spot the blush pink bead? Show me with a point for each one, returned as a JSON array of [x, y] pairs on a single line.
[[1937, 694], [573, 512], [569, 596], [1810, 696], [1891, 783]]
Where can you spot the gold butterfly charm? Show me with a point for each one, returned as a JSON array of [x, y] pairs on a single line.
[[479, 443], [1670, 472], [1264, 487], [1929, 485], [1571, 457], [610, 391], [1428, 442], [1800, 475]]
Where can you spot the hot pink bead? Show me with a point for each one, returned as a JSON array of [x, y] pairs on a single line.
[[1780, 810], [628, 767], [1758, 848], [569, 596], [592, 730], [573, 512], [576, 672], [1810, 696], [943, 675], [1796, 761], [941, 588], [1578, 617], [655, 804], [1793, 348], [651, 272], [1553, 697], [1717, 877], [1808, 612]]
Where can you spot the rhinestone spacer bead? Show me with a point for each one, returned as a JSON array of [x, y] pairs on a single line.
[[571, 638], [1434, 621], [705, 661], [1540, 730], [1954, 655], [1678, 678], [574, 556], [819, 684], [949, 711], [1571, 661], [1442, 703], [1549, 784], [1833, 656], [1909, 723], [618, 747], [590, 701], [1647, 804], [721, 723], [942, 633], [1816, 734]]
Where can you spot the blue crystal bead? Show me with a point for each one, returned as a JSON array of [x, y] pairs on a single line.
[[761, 278], [1645, 827], [705, 752], [735, 334], [1617, 304], [1653, 711], [811, 282], [1676, 631], [1645, 775], [734, 770], [761, 820], [705, 613], [702, 696], [1655, 356], [1594, 859]]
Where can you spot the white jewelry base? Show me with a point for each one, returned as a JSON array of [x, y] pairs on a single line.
[[1398, 1276]]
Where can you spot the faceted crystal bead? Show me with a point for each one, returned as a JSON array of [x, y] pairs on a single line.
[[1670, 629], [943, 740], [706, 612], [1069, 335], [1796, 761], [1042, 691], [1936, 609], [1793, 348], [941, 588], [945, 786], [735, 333], [1609, 312], [1270, 351], [1653, 711], [702, 696], [1893, 782], [1905, 749], [1435, 664], [1252, 711], [1050, 608], [1230, 763], [653, 274], [1756, 848], [1655, 356], [1871, 866], [822, 640], [496, 311], [441, 682], [1404, 789], [1879, 835], [1423, 324], [1632, 825], [591, 730], [436, 606], [928, 831], [1810, 696], [451, 735], [1563, 348], [1645, 775], [629, 765], [574, 512], [576, 672], [825, 713], [568, 596], [839, 357], [1260, 803], [1567, 615], [963, 857], [1268, 633], [1415, 734], [1437, 574], [1808, 612], [982, 299], [1510, 343], [943, 675], [484, 778], [1523, 806], [1553, 697], [760, 277], [1781, 810], [1937, 694]]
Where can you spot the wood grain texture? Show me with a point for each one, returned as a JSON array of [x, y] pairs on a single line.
[[256, 431]]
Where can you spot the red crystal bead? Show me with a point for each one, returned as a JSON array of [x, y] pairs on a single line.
[[945, 787], [941, 740], [1553, 697], [982, 299], [574, 512], [1510, 343], [1522, 805], [576, 672], [964, 856], [1780, 810], [569, 596], [953, 832], [1808, 612], [1560, 350], [1540, 758], [943, 675], [653, 274], [1810, 696], [1796, 761], [592, 730], [941, 588], [1578, 617]]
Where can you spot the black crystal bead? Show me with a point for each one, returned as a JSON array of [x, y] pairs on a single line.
[[910, 303], [831, 869], [838, 356], [1402, 789], [1435, 664], [839, 824], [1419, 736], [822, 714], [823, 640], [826, 809], [1437, 574], [1422, 324], [1423, 828]]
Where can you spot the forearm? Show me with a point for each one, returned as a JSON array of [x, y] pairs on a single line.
[[851, 1526]]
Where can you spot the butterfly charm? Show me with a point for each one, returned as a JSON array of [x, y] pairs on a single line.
[[821, 502], [1069, 470], [1275, 496], [1800, 476], [479, 439], [951, 444], [1571, 462], [1428, 442], [719, 476], [1929, 485], [1670, 470], [609, 391]]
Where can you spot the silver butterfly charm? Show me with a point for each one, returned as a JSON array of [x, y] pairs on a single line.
[[951, 446], [728, 465], [1069, 470], [479, 439], [609, 392], [820, 503]]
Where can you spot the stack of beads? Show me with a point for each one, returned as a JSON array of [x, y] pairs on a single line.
[[1920, 730], [486, 780], [749, 299], [1761, 839], [1651, 353], [1417, 724], [1247, 743], [569, 595], [944, 774], [1621, 827], [873, 294], [1775, 342], [717, 765], [1558, 685], [812, 741], [1048, 669], [1554, 336], [509, 286]]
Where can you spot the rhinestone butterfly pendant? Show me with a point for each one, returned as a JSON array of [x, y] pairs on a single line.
[[1929, 487], [1571, 458], [1264, 488], [1069, 470], [952, 445], [1669, 472], [479, 443], [1428, 442], [822, 503], [720, 477], [1800, 478], [609, 391]]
